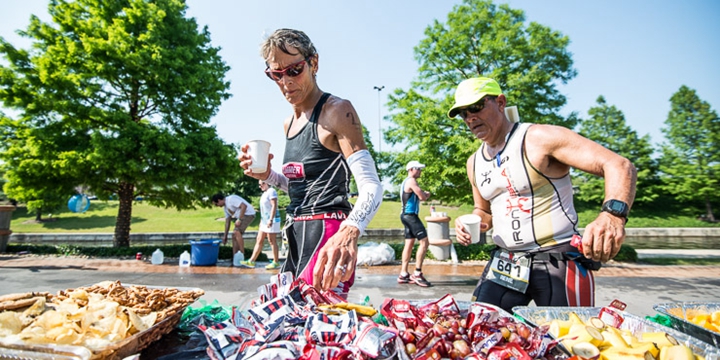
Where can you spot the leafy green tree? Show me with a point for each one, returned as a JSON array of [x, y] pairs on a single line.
[[607, 127], [129, 88], [33, 175], [690, 161], [477, 39]]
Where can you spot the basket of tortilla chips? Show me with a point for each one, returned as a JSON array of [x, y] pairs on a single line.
[[110, 319]]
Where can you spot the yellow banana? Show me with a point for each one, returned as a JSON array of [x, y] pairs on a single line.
[[360, 309], [575, 319], [625, 354], [660, 338], [585, 350], [613, 338], [596, 322], [582, 333], [648, 346], [676, 352], [559, 328]]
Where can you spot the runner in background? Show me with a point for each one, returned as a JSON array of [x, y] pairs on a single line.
[[521, 187], [411, 195], [269, 227]]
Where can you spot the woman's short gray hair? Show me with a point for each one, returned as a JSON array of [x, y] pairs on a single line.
[[284, 39]]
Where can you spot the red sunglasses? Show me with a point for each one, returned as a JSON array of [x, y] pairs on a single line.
[[292, 70]]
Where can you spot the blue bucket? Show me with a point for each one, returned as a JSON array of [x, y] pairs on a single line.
[[205, 252]]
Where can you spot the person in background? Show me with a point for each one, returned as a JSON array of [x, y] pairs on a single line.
[[324, 145], [269, 227], [241, 211], [411, 195], [521, 187]]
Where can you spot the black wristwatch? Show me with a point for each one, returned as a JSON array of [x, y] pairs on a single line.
[[617, 208]]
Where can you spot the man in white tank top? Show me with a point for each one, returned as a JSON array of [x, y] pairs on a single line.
[[521, 186]]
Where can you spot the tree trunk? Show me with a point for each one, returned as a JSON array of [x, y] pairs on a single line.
[[38, 215], [122, 224], [708, 206]]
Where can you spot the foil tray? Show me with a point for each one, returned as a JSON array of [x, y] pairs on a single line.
[[464, 306], [677, 313], [43, 352], [635, 324]]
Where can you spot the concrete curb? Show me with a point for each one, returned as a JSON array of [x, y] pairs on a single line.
[[172, 238]]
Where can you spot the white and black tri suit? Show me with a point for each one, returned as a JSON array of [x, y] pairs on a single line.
[[533, 218]]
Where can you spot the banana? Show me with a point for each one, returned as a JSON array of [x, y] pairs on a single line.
[[660, 338], [648, 346], [360, 309], [586, 350], [613, 339], [630, 339], [582, 333], [625, 354], [330, 309], [575, 319], [596, 322], [559, 328], [676, 352]]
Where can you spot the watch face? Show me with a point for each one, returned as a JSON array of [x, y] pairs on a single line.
[[617, 206]]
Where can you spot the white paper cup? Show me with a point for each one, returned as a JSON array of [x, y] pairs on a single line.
[[512, 114], [258, 151], [471, 224]]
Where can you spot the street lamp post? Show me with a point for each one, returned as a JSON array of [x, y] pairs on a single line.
[[379, 89]]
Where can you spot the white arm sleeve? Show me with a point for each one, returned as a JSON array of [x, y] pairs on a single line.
[[370, 190], [277, 179]]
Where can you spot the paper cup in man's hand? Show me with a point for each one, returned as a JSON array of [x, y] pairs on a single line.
[[259, 150], [471, 225]]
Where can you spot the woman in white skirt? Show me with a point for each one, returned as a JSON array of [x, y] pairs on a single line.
[[269, 226]]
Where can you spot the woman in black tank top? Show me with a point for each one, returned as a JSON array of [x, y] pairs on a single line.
[[324, 184], [324, 142]]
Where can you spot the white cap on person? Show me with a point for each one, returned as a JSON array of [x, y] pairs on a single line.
[[414, 165]]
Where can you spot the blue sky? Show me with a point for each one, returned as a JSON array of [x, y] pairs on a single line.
[[634, 53]]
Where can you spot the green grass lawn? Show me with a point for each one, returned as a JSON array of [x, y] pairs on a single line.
[[100, 218]]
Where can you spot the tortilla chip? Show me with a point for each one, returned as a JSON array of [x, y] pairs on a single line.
[[10, 323]]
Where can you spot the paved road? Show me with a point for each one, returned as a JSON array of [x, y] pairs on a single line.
[[639, 286]]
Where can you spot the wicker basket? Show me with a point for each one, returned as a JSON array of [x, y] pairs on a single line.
[[139, 341], [115, 351]]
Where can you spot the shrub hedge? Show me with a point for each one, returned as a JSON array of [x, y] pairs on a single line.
[[472, 252]]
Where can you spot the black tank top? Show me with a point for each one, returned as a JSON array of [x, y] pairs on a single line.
[[318, 178]]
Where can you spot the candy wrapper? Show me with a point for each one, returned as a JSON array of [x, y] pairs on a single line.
[[224, 339], [292, 320], [375, 340], [329, 329], [401, 315]]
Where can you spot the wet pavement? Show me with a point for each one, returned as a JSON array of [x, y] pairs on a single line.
[[640, 286]]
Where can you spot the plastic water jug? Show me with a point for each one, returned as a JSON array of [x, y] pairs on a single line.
[[158, 257], [238, 257], [185, 259]]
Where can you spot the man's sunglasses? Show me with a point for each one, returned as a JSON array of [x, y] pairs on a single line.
[[474, 108], [292, 70]]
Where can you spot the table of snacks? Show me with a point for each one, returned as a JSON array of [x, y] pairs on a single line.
[[290, 319]]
